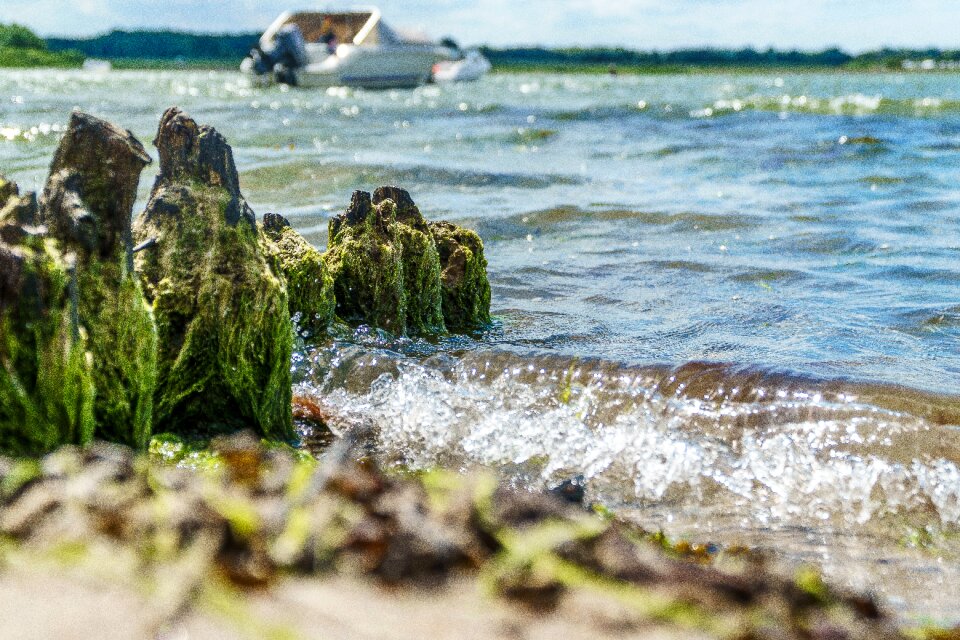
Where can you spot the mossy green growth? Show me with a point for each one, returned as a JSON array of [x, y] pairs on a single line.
[[466, 289], [225, 338], [421, 279], [46, 384], [421, 262], [309, 283], [366, 263], [123, 342], [393, 269], [222, 317], [87, 204]]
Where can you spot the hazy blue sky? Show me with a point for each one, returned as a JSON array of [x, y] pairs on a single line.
[[641, 24]]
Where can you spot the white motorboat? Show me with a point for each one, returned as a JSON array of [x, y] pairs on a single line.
[[471, 66], [349, 48]]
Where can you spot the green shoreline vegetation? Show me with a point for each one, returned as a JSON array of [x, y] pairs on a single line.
[[164, 49], [20, 47]]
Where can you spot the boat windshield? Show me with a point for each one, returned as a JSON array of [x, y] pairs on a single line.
[[344, 27]]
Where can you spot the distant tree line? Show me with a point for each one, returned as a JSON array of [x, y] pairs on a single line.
[[192, 47], [160, 45], [895, 57], [707, 57]]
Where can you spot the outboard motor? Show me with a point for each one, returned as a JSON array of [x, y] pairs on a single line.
[[289, 47], [259, 62], [289, 54]]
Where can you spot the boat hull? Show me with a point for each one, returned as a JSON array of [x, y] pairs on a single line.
[[369, 67]]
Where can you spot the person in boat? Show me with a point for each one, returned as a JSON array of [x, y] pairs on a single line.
[[329, 38]]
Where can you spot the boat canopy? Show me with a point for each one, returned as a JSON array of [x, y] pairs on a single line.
[[357, 27]]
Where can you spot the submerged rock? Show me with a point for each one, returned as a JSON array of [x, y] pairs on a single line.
[[466, 289], [46, 385], [395, 270], [309, 283], [87, 205], [221, 310]]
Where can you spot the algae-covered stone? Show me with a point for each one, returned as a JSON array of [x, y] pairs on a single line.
[[395, 270], [309, 283], [87, 205], [221, 310], [421, 262], [466, 289], [366, 262], [16, 211], [46, 387]]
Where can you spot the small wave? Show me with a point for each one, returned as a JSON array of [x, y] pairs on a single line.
[[900, 273], [682, 221], [676, 149], [764, 444], [305, 174], [528, 136], [768, 276], [682, 265], [927, 321], [884, 180], [928, 206], [597, 113], [850, 104], [834, 243]]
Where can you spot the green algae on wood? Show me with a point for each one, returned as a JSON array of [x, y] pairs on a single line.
[[309, 283], [87, 204], [465, 286], [46, 384], [395, 270], [421, 262], [221, 310], [366, 262]]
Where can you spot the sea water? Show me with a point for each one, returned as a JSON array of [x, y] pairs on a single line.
[[730, 304]]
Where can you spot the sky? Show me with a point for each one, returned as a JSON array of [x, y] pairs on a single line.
[[854, 25]]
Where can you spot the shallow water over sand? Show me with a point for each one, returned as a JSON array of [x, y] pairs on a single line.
[[732, 303]]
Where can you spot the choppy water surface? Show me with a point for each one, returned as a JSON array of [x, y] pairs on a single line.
[[730, 303]]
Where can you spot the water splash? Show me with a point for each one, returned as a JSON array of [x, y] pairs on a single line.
[[763, 445], [863, 480]]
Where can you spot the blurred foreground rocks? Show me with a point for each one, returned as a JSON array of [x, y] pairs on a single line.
[[254, 517]]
